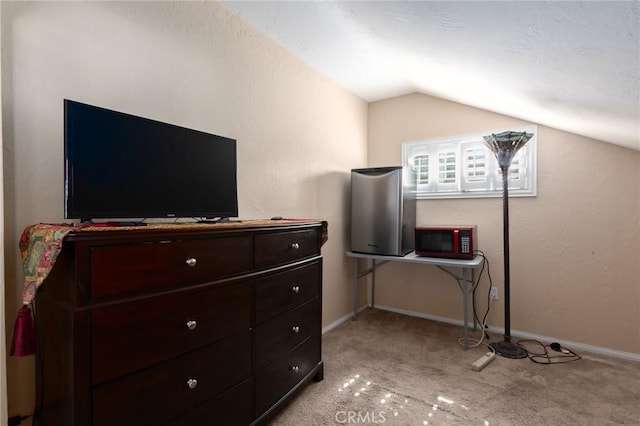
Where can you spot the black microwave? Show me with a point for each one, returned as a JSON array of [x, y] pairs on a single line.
[[456, 242]]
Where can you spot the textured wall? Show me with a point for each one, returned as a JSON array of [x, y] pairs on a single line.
[[189, 63], [575, 248]]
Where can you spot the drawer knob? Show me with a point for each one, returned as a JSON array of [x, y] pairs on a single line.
[[192, 383], [192, 324], [295, 246], [295, 368], [191, 261], [295, 289], [295, 329]]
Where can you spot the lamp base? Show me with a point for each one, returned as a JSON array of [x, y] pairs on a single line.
[[509, 349]]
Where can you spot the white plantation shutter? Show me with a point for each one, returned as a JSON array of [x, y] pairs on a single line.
[[476, 166], [421, 166], [462, 166], [447, 172]]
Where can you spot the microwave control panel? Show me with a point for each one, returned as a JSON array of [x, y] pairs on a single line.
[[465, 242]]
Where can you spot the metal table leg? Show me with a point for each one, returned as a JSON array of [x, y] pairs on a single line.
[[465, 308], [473, 282], [373, 284], [355, 289]]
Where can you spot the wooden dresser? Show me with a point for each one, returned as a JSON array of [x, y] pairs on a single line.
[[179, 325]]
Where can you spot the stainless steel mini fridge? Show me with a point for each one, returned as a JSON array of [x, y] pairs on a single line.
[[383, 210]]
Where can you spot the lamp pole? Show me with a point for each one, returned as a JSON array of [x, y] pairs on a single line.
[[505, 146], [505, 245]]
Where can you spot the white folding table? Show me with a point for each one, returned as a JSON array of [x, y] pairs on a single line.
[[466, 280]]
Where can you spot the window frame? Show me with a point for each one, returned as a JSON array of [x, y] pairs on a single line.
[[522, 180]]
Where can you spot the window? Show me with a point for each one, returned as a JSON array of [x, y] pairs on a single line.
[[421, 166], [462, 166], [447, 166], [475, 164]]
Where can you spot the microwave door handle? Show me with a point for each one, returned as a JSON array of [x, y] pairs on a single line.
[[456, 242]]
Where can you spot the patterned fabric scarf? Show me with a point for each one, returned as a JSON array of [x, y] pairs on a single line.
[[40, 245]]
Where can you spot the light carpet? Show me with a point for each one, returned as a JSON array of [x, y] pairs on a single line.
[[392, 369]]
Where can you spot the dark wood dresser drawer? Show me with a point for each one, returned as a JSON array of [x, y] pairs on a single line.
[[139, 268], [281, 292], [167, 390], [130, 336], [278, 336], [232, 408], [278, 248], [277, 379]]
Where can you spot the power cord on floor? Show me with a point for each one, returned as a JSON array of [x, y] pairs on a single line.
[[553, 353]]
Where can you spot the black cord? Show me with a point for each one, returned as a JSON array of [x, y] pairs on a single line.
[[547, 356], [490, 286], [475, 286]]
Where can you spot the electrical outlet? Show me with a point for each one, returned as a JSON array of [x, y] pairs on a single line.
[[493, 294]]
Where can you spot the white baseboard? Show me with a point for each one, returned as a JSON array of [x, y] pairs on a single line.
[[599, 350], [340, 320]]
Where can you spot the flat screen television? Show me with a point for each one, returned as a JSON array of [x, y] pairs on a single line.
[[121, 166]]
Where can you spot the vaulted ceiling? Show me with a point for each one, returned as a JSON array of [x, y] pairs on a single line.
[[572, 65]]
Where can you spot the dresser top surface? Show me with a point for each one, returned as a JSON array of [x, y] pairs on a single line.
[[194, 228]]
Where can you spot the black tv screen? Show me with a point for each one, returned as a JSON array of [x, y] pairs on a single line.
[[119, 165]]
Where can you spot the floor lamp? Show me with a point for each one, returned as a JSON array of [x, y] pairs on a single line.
[[505, 145]]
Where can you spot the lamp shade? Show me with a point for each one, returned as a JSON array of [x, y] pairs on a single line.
[[505, 145]]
